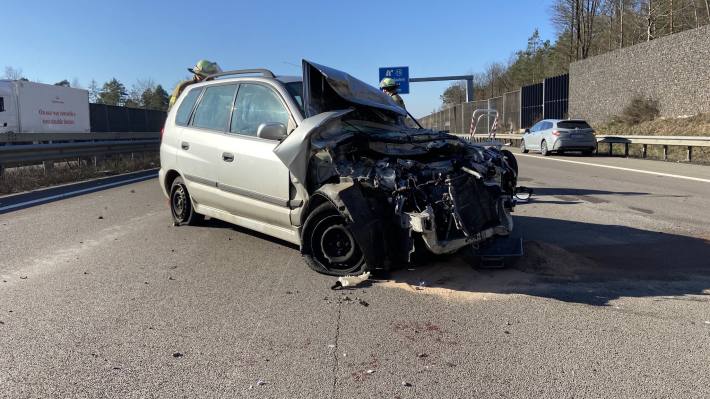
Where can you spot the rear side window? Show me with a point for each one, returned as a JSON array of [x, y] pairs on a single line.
[[257, 104], [573, 125], [547, 125], [183, 113], [214, 108], [2, 104]]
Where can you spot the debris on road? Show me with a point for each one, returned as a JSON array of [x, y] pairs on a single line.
[[260, 382], [331, 346], [23, 277], [350, 281], [370, 371], [363, 303], [178, 354], [422, 355], [406, 384], [100, 217]]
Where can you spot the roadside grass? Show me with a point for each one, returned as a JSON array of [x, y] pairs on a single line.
[[697, 125], [32, 177]]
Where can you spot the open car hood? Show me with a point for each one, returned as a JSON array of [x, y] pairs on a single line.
[[327, 89]]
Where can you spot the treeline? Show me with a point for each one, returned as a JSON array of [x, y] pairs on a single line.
[[583, 28], [143, 94]]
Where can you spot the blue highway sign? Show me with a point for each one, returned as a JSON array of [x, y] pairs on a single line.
[[399, 74]]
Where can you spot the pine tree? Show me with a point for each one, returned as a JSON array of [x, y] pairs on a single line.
[[113, 92]]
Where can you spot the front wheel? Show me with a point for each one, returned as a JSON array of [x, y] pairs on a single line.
[[523, 149], [329, 246], [181, 205]]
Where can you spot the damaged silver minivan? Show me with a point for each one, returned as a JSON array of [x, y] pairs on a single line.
[[333, 165]]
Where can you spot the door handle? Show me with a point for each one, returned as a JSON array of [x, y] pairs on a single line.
[[227, 157], [185, 145]]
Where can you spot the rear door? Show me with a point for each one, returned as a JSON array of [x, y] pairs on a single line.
[[200, 147], [256, 182]]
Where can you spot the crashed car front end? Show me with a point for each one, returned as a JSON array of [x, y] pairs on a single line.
[[398, 189], [450, 193]]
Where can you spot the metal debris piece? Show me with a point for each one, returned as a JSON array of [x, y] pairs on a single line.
[[350, 281]]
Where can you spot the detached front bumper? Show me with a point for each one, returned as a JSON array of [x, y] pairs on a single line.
[[423, 223]]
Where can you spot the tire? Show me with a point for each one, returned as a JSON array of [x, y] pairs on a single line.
[[181, 205], [328, 245], [510, 158], [522, 147], [543, 149]]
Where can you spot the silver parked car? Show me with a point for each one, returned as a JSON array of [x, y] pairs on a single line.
[[327, 162], [559, 135]]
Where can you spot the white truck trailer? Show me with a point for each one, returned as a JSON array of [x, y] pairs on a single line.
[[29, 107]]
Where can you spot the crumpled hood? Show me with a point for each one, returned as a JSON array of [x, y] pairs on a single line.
[[294, 150], [327, 89]]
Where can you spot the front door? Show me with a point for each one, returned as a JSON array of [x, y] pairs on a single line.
[[255, 180]]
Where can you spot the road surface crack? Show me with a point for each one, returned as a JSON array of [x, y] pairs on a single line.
[[336, 351]]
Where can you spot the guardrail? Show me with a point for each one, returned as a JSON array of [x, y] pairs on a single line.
[[683, 141], [24, 148]]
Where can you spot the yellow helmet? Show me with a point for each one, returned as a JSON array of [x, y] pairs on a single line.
[[205, 68], [387, 83]]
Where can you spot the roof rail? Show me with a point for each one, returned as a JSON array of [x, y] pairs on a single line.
[[267, 73]]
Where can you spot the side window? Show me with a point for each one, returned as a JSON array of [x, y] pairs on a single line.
[[213, 110], [2, 104], [548, 125], [183, 113], [535, 127], [257, 104]]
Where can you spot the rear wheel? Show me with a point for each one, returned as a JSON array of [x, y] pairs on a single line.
[[543, 149], [181, 205], [329, 246]]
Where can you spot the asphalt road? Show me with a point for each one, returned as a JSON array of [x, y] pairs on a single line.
[[100, 296]]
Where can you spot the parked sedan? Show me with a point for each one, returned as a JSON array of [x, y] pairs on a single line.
[[559, 135]]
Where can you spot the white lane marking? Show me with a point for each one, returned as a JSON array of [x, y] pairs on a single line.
[[70, 193], [618, 168]]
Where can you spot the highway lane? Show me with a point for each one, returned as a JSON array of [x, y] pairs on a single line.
[[101, 296]]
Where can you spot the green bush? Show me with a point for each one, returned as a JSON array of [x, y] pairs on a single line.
[[639, 110]]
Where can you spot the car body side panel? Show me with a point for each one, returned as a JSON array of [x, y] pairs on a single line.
[[197, 163], [256, 183]]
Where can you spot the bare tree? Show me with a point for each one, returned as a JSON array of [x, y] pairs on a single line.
[[93, 91], [13, 73]]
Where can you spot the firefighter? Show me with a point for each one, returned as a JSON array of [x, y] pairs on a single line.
[[389, 86], [200, 71]]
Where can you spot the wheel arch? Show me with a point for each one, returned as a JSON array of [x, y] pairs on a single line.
[[170, 177]]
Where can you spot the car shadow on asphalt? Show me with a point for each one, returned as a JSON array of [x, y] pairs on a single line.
[[576, 262]]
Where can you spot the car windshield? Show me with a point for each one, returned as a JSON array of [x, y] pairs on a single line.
[[295, 89], [573, 125]]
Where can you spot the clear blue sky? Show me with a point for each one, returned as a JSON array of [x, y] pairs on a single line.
[[130, 39]]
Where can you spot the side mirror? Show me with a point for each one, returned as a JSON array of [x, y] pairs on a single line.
[[527, 131], [271, 131]]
